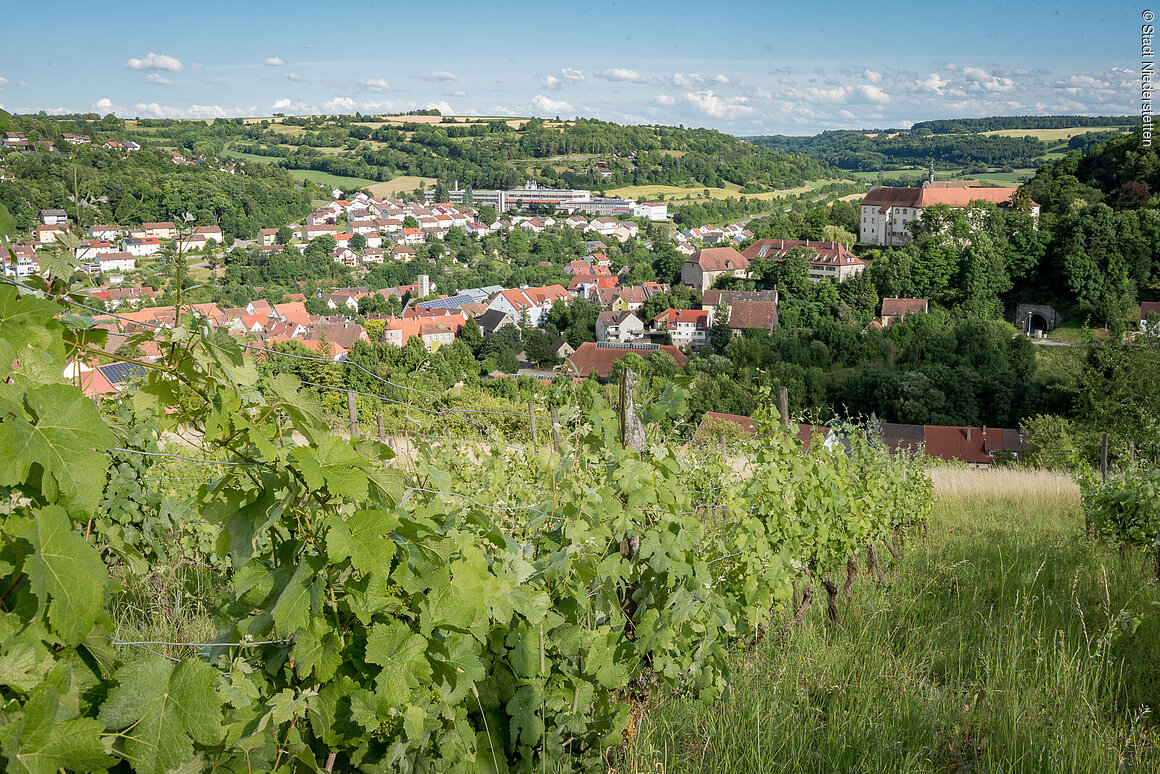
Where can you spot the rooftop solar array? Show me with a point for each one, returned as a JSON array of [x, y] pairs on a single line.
[[644, 346], [453, 302]]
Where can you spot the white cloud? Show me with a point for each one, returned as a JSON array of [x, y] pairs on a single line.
[[873, 93], [873, 77], [282, 103], [374, 84], [550, 82], [456, 93], [3, 83], [340, 105], [441, 106], [666, 99], [690, 81], [718, 107], [543, 104], [834, 94], [104, 103], [985, 81], [293, 77], [622, 74], [153, 61], [933, 82], [722, 79], [197, 67], [439, 75], [158, 80], [273, 61], [570, 74], [155, 110]]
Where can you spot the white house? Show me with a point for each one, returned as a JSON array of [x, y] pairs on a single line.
[[619, 327], [111, 262], [141, 246]]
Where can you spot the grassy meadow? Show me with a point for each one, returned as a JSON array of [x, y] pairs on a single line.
[[993, 647]]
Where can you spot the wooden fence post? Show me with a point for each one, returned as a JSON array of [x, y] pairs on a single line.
[[555, 430], [631, 429], [382, 427], [532, 419], [353, 414], [1104, 458], [783, 405]]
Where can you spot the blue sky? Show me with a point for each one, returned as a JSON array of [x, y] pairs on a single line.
[[742, 67]]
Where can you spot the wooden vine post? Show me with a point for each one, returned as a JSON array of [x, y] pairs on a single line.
[[382, 427], [353, 411], [783, 405], [532, 419], [555, 430]]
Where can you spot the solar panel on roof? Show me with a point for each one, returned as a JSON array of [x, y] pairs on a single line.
[[119, 372], [454, 302], [630, 345]]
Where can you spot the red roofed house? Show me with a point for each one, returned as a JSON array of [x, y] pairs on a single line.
[[591, 357], [707, 264], [897, 309], [830, 260], [688, 328]]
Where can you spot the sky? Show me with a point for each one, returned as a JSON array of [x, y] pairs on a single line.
[[746, 68]]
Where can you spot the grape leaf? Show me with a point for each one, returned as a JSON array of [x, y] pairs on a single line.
[[37, 744], [26, 322], [402, 655], [525, 723], [170, 706], [301, 406], [334, 464], [302, 593], [364, 538], [61, 432], [65, 572]]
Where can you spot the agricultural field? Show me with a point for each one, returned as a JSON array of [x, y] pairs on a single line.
[[405, 183], [731, 190], [1053, 136], [998, 644]]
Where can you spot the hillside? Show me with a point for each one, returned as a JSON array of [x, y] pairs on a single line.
[[1002, 145], [494, 153]]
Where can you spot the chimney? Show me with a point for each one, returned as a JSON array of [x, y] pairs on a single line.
[[968, 435]]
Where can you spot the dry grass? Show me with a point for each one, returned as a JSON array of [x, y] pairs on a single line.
[[1034, 487], [405, 183]]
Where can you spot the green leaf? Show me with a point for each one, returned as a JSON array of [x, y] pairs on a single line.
[[65, 572], [403, 656], [364, 538], [60, 432], [333, 464], [301, 406], [37, 744], [169, 706], [302, 593], [526, 725], [26, 322]]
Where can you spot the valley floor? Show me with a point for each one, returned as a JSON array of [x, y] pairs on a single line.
[[1003, 641]]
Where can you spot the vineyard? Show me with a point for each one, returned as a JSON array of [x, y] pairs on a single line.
[[462, 606]]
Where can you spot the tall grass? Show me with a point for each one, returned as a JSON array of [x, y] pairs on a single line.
[[994, 646]]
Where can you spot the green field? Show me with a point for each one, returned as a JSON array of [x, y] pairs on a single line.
[[314, 176], [993, 646], [987, 178]]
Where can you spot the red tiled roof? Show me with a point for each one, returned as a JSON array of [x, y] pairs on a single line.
[[900, 307], [589, 357]]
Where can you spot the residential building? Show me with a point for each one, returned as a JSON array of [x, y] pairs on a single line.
[[53, 217], [619, 327], [707, 264], [687, 328], [593, 357], [897, 309], [830, 260]]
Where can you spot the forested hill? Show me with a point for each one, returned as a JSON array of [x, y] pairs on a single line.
[[891, 148], [142, 186], [496, 153], [1000, 123]]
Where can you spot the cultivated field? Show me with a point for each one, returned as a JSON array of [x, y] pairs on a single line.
[[405, 183], [1051, 136], [731, 190]]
